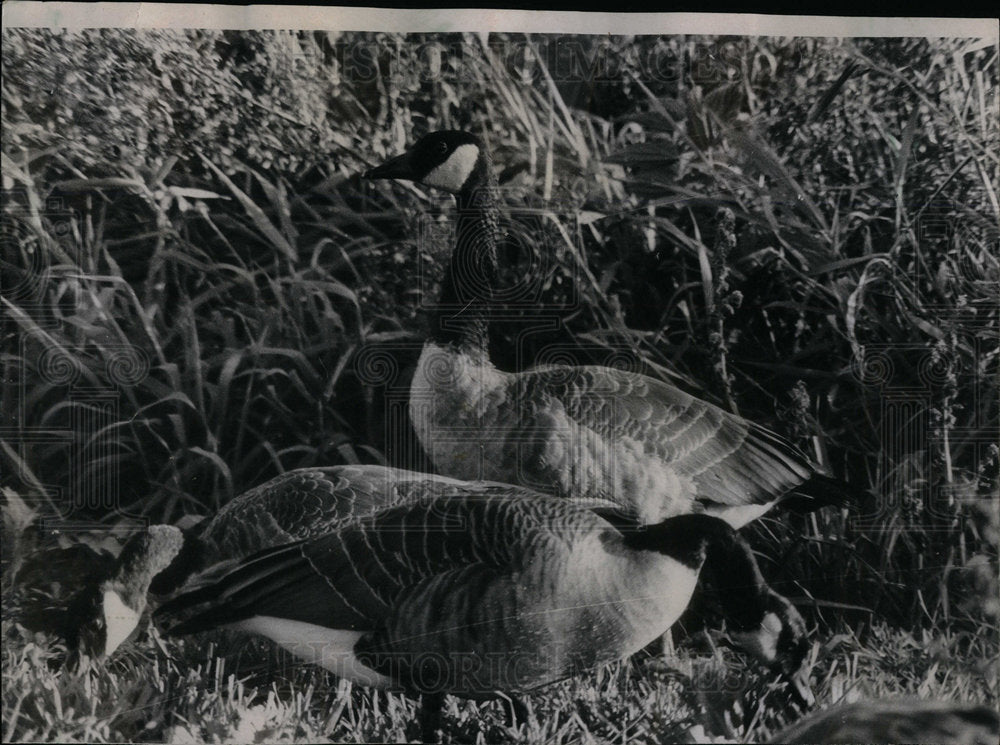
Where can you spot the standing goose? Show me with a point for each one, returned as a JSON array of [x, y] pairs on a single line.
[[587, 431], [482, 596], [299, 504]]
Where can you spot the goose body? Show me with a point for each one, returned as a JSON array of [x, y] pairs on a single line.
[[480, 595], [299, 504], [580, 431]]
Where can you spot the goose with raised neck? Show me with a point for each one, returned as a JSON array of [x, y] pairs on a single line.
[[574, 431]]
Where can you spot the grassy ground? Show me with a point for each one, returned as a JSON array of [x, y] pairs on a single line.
[[253, 693], [199, 293]]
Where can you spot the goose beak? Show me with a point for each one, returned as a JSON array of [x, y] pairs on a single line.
[[400, 167]]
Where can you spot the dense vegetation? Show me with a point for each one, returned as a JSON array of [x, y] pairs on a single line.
[[199, 293]]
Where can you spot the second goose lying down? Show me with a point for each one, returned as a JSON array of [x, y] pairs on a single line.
[[581, 431], [482, 596], [298, 504]]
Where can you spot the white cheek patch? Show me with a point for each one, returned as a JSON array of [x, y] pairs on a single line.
[[454, 172], [120, 621]]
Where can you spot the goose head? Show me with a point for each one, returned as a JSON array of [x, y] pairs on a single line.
[[109, 610], [780, 642], [452, 160]]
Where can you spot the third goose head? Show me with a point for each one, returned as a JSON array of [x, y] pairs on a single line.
[[452, 160], [107, 612]]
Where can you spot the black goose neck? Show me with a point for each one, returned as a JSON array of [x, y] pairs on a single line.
[[712, 546], [744, 595], [685, 538], [470, 280]]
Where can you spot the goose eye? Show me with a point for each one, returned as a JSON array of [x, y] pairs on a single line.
[[440, 148]]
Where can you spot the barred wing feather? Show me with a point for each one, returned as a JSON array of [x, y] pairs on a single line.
[[352, 577], [625, 426]]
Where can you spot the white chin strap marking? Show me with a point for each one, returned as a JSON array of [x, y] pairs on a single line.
[[120, 619], [454, 172]]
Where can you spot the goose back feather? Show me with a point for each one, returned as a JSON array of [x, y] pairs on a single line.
[[303, 503], [603, 433]]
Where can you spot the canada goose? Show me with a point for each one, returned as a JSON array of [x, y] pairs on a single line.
[[299, 504], [585, 431], [904, 721], [481, 596], [106, 612]]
